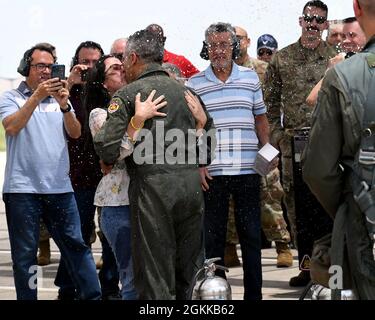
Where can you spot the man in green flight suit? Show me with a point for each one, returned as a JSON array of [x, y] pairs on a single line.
[[334, 141], [165, 194]]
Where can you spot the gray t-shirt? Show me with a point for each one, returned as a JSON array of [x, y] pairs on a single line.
[[37, 157]]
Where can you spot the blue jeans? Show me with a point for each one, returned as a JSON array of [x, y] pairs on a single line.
[[60, 214], [246, 194], [115, 223], [86, 209]]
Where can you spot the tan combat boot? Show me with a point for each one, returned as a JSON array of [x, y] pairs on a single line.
[[284, 255], [44, 255], [230, 256]]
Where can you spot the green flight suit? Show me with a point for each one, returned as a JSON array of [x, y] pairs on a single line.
[[334, 141], [166, 199]]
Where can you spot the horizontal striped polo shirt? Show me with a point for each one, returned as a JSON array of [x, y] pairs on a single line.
[[233, 105]]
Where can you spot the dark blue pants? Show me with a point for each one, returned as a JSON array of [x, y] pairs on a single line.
[[60, 214], [246, 194]]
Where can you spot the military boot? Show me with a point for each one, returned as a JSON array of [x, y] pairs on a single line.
[[284, 255], [44, 255], [231, 257]]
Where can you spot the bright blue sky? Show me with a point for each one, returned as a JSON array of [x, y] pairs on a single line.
[[67, 23]]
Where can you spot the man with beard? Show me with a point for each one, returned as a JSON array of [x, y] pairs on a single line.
[[290, 77]]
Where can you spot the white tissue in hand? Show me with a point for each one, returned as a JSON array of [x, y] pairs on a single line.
[[264, 158]]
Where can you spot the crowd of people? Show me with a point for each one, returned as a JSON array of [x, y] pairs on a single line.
[[165, 155]]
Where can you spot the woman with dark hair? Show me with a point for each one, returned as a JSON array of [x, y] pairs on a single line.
[[104, 79]]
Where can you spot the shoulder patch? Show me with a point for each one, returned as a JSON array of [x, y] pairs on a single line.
[[114, 106], [371, 60]]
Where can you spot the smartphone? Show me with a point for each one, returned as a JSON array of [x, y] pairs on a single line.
[[58, 71], [84, 74]]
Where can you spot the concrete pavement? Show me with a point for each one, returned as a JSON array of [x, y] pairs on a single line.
[[275, 281]]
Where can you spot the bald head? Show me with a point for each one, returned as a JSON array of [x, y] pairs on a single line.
[[118, 46], [240, 32]]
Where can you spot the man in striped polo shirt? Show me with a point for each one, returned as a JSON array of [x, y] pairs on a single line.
[[233, 97]]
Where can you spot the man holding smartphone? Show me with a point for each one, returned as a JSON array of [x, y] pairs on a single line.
[[36, 181], [85, 175]]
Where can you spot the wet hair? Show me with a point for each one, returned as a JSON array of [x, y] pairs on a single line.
[[221, 27], [147, 46], [158, 31], [316, 4]]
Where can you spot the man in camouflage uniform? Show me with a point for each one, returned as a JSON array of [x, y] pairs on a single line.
[[290, 76], [273, 223], [334, 141]]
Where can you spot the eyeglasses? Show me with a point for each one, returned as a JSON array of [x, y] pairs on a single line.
[[219, 45], [318, 19], [262, 52], [114, 67], [41, 66]]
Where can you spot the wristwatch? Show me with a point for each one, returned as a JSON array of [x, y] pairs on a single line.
[[67, 109]]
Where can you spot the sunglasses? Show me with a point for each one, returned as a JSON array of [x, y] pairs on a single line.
[[318, 19], [262, 52]]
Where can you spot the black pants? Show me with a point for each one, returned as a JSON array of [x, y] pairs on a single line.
[[246, 194], [312, 222]]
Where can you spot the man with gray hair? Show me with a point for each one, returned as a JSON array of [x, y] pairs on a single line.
[[335, 34], [233, 96], [118, 48], [165, 196]]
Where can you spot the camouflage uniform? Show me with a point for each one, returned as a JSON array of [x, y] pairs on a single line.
[[290, 77], [273, 223], [258, 66], [334, 141]]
